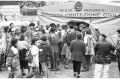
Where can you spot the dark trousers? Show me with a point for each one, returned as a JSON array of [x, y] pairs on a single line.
[[2, 60], [119, 63], [35, 72], [40, 67], [76, 66], [87, 61]]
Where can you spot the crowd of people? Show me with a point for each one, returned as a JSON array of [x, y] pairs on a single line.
[[28, 50]]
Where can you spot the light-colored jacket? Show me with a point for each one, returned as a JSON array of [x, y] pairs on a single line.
[[35, 53], [93, 42]]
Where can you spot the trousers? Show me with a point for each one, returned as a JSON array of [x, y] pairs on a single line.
[[119, 63], [99, 68], [76, 66]]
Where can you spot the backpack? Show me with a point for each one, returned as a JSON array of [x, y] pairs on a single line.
[[54, 39], [45, 53], [89, 46], [29, 57]]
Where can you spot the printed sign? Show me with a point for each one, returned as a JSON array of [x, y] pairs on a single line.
[[80, 9]]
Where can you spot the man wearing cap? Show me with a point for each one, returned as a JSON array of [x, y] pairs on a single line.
[[102, 57]]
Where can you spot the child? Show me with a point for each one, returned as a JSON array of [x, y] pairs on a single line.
[[13, 63], [46, 51]]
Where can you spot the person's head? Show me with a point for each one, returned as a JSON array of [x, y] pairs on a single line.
[[118, 33], [81, 26], [79, 36], [75, 28], [47, 27], [23, 29], [32, 25], [58, 25], [53, 29], [43, 31], [38, 22], [13, 31], [88, 31], [43, 38], [59, 28], [22, 37], [17, 31], [66, 27], [68, 31], [34, 40], [102, 37], [53, 25], [11, 24], [6, 29], [71, 26], [63, 27], [14, 42]]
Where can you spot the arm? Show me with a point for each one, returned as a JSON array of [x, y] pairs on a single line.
[[34, 51], [71, 47], [85, 40], [112, 47], [84, 49], [94, 42], [96, 48]]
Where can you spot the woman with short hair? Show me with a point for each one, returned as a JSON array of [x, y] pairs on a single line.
[[23, 47], [12, 62]]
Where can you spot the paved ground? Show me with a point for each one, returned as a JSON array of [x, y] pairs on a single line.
[[68, 73]]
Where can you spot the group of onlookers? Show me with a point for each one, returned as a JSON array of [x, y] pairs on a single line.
[[26, 51]]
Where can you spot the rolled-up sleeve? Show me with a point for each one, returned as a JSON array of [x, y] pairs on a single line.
[[71, 47], [34, 51], [84, 49], [85, 40]]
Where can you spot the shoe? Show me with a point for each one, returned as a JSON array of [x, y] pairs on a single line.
[[83, 70], [74, 74], [50, 68], [78, 76], [87, 69], [0, 69], [56, 69], [67, 67], [23, 74]]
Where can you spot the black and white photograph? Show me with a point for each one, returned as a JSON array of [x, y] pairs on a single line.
[[60, 39]]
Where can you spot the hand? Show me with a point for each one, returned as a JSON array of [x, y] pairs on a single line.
[[9, 68], [41, 50], [115, 52]]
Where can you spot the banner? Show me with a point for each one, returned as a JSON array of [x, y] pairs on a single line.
[[79, 14], [80, 9]]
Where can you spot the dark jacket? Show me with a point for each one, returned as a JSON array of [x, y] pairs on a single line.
[[67, 39], [46, 51], [70, 37], [73, 35], [77, 49], [103, 52]]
